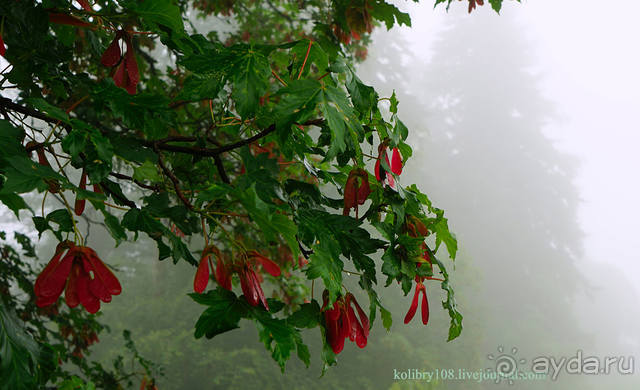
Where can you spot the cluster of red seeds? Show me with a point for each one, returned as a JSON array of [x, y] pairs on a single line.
[[80, 274], [126, 75], [246, 269], [341, 322], [356, 190], [417, 229], [396, 165], [472, 4]]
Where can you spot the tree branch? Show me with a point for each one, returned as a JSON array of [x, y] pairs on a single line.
[[8, 104], [139, 183], [163, 143], [173, 178], [122, 199], [221, 171]]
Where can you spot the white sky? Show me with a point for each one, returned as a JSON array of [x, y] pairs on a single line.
[[589, 55], [588, 60]]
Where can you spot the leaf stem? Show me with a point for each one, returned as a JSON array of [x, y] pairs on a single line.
[[76, 232], [278, 78], [305, 59]]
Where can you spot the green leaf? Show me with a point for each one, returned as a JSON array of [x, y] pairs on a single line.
[[14, 202], [277, 336], [391, 265], [496, 5], [387, 320], [386, 12], [394, 103], [308, 316], [19, 353], [162, 12], [113, 226], [298, 101], [140, 220], [325, 264], [401, 130], [132, 150], [102, 145], [455, 326], [443, 1], [364, 97], [328, 357], [215, 191], [75, 383], [25, 175], [223, 313], [41, 224], [250, 81], [272, 224], [145, 111], [51, 110], [316, 56], [441, 228], [197, 87], [11, 140], [62, 218], [340, 119], [147, 172], [74, 142], [303, 351], [288, 230]]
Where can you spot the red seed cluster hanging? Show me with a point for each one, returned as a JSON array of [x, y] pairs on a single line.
[[80, 274], [126, 75], [341, 322]]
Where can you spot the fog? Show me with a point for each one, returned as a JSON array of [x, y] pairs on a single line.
[[525, 129]]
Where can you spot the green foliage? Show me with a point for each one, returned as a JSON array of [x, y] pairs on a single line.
[[243, 142], [280, 336], [19, 352]]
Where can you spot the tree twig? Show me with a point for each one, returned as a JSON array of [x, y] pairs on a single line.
[[221, 170], [139, 183], [173, 178]]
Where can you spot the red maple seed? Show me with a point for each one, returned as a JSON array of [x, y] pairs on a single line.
[[85, 5], [396, 166], [205, 267], [54, 186], [396, 162], [202, 274], [80, 203], [68, 20], [132, 68], [223, 277], [3, 49], [356, 190], [112, 55], [251, 286], [420, 287], [267, 264], [472, 4]]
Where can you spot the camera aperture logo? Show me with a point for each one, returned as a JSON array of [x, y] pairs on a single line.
[[506, 365], [510, 368]]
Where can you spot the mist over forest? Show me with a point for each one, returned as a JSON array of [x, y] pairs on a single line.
[[494, 146]]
